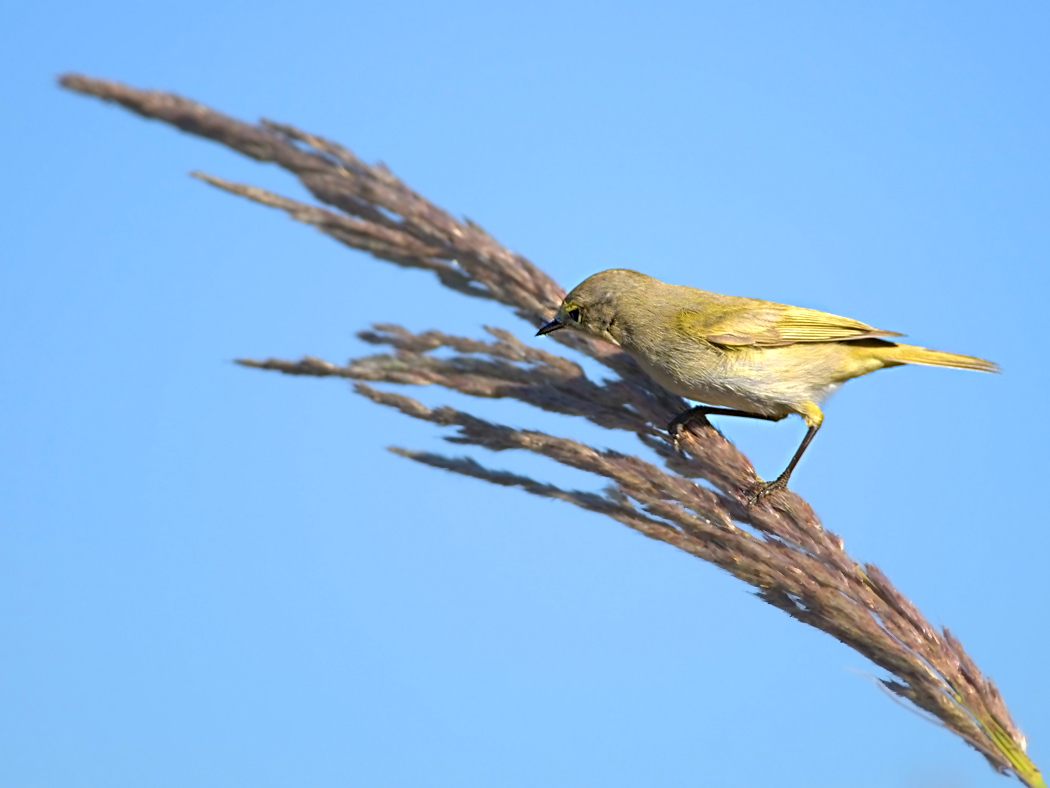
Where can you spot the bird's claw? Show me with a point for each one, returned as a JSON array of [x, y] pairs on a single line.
[[763, 490], [676, 438], [678, 425]]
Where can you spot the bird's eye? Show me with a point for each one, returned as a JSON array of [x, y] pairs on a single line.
[[575, 315]]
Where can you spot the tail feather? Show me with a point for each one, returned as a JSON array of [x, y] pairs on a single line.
[[909, 354]]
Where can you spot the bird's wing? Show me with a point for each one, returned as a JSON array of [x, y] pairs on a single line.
[[750, 323]]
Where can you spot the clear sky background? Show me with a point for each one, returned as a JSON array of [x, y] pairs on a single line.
[[214, 576]]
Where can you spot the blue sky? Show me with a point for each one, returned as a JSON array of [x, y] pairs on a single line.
[[215, 576]]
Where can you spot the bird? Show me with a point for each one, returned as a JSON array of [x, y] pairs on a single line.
[[739, 356]]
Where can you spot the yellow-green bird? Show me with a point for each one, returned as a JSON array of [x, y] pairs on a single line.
[[748, 357]]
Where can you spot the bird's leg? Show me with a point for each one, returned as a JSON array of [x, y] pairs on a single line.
[[679, 422], [813, 418]]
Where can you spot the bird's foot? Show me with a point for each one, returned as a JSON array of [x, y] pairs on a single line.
[[763, 490], [675, 431], [679, 424]]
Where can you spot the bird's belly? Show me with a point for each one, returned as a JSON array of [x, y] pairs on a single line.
[[750, 382], [743, 394]]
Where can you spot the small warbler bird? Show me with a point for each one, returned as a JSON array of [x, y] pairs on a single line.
[[750, 358]]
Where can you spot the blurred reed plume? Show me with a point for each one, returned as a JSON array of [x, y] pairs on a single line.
[[778, 547]]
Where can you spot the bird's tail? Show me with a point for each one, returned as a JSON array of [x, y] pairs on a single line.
[[909, 354]]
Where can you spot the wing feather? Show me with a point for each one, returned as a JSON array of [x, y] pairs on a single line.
[[764, 324]]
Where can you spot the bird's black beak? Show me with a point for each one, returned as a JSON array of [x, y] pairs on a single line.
[[554, 325]]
